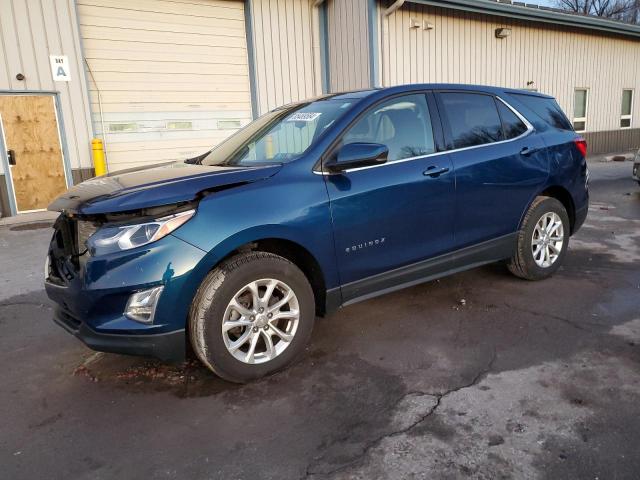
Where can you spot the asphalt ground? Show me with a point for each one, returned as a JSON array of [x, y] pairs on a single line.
[[478, 375]]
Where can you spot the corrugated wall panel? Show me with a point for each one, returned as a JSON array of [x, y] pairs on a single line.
[[462, 48], [285, 50], [172, 76], [30, 31], [349, 59]]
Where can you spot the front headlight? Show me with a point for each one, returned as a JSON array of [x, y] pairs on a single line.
[[124, 237]]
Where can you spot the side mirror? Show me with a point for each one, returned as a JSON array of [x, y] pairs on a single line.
[[355, 155]]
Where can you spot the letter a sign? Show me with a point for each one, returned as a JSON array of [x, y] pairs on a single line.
[[60, 68]]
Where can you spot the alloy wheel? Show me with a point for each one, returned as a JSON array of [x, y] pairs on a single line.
[[260, 321], [548, 239]]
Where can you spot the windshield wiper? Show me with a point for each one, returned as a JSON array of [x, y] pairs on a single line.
[[197, 160]]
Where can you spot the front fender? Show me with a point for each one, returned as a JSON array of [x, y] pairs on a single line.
[[233, 243], [294, 208]]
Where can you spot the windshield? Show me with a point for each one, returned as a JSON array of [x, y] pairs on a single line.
[[279, 136]]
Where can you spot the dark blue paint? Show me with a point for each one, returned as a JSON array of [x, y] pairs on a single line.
[[100, 294], [152, 186], [354, 224], [493, 182], [390, 216]]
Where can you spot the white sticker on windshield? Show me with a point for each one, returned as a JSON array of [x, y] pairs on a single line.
[[303, 117]]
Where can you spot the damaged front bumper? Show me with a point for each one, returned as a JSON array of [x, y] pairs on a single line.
[[91, 294], [168, 347]]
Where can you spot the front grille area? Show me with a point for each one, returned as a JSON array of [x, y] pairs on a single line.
[[65, 239], [84, 230], [68, 248], [63, 251]]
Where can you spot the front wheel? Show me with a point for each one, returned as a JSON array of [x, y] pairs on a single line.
[[542, 240], [252, 316]]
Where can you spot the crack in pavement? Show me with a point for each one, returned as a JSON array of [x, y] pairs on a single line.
[[375, 442], [571, 323]]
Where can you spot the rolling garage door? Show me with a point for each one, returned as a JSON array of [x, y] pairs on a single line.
[[168, 78]]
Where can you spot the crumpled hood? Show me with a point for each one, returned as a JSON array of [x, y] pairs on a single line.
[[153, 186]]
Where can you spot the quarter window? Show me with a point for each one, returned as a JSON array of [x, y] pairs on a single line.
[[402, 124], [473, 119], [546, 109], [512, 125], [580, 109], [627, 108]]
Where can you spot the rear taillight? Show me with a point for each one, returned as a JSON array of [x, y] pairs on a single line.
[[581, 145]]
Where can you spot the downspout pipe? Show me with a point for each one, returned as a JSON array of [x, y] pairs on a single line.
[[319, 7], [384, 32], [392, 8]]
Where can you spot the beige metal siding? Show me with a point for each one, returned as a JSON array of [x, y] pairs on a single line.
[[462, 48], [348, 34], [30, 31], [172, 75], [285, 49]]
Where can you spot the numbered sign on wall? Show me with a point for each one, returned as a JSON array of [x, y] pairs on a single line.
[[60, 68]]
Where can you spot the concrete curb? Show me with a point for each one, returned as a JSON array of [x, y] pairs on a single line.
[[33, 217]]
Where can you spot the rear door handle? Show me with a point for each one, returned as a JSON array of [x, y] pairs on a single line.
[[434, 171], [11, 156], [526, 151]]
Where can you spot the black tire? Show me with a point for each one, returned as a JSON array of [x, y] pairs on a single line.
[[211, 301], [522, 264]]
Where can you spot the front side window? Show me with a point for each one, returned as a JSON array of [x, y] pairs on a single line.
[[473, 118], [279, 136], [512, 125], [402, 124], [627, 106], [580, 109]]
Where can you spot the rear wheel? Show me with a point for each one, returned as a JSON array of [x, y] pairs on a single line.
[[542, 240], [253, 315]]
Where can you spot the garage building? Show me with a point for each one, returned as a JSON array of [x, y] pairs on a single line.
[[162, 80]]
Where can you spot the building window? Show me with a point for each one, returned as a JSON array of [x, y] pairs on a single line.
[[580, 109], [627, 108]]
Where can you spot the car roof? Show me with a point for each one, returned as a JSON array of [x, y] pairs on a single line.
[[359, 94], [408, 88]]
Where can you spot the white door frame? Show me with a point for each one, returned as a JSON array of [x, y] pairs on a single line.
[[55, 96]]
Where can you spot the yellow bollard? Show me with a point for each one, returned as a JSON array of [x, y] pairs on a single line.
[[268, 147], [99, 164]]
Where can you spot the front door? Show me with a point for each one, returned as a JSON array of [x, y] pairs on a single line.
[[398, 213], [31, 136]]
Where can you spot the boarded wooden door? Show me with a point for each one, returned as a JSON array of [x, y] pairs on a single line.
[[31, 131]]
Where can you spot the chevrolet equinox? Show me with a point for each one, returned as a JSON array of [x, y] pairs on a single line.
[[314, 206]]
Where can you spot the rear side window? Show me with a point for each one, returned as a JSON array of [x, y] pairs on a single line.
[[473, 118], [513, 127], [545, 108]]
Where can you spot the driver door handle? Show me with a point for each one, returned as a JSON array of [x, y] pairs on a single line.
[[434, 171]]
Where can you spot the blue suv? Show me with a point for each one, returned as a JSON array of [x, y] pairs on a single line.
[[311, 207]]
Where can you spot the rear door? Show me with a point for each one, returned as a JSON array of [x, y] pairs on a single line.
[[397, 213], [499, 162]]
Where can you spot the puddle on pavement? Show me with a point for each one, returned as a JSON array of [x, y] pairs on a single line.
[[139, 375]]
